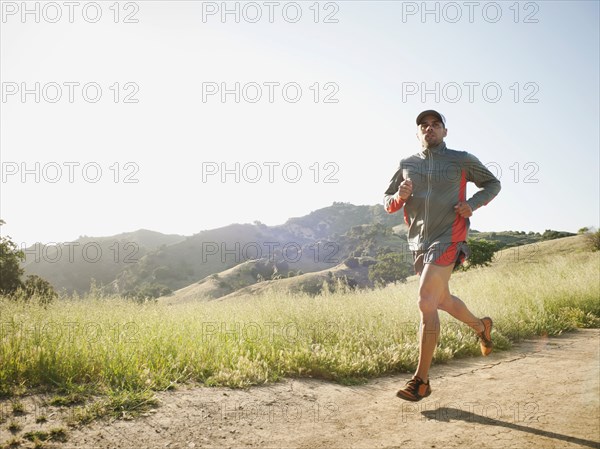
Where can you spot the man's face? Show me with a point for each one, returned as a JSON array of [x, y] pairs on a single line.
[[431, 131]]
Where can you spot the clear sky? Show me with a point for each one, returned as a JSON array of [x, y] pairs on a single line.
[[517, 82]]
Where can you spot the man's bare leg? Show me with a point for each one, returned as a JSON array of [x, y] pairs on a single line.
[[433, 289], [458, 309], [434, 294]]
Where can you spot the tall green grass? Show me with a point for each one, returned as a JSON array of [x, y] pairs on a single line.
[[110, 346]]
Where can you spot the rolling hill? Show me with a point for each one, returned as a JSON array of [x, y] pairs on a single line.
[[71, 266], [147, 264], [239, 283]]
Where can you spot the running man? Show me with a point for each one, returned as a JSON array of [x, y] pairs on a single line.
[[431, 187]]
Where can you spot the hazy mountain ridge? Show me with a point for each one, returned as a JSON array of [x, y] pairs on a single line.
[[71, 266], [148, 262], [309, 243]]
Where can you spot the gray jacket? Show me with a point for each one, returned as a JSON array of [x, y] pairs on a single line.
[[439, 176]]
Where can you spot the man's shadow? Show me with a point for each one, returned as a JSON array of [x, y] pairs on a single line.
[[446, 414]]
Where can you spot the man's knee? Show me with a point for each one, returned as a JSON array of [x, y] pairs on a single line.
[[433, 289], [428, 302]]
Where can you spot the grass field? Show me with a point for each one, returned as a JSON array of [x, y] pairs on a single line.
[[122, 351]]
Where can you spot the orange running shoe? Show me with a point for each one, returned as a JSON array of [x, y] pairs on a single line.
[[414, 390], [485, 337]]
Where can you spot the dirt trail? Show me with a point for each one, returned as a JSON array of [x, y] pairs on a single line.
[[545, 393]]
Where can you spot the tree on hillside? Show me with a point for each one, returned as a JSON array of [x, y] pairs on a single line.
[[482, 253], [390, 267], [148, 291], [10, 275], [550, 234], [594, 240], [10, 270], [36, 286]]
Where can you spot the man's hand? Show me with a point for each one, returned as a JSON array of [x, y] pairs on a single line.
[[405, 189], [463, 209]]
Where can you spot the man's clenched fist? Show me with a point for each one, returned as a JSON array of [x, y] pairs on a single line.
[[463, 209], [405, 189]]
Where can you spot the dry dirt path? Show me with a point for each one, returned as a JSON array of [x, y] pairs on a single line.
[[544, 393]]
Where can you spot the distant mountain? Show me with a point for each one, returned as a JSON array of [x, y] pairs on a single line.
[[71, 266], [337, 219], [150, 264], [349, 256], [310, 243]]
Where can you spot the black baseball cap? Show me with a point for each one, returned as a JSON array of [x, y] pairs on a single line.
[[436, 114]]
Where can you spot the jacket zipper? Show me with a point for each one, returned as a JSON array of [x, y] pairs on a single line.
[[428, 195]]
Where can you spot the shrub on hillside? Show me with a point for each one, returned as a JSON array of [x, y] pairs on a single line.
[[10, 275], [35, 286], [390, 267], [482, 253], [148, 291], [351, 262], [10, 265], [550, 234], [594, 240]]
